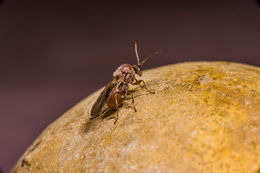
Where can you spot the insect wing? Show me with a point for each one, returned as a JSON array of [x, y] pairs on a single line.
[[101, 100]]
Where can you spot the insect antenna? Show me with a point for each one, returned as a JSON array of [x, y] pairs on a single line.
[[136, 53], [138, 59], [153, 54]]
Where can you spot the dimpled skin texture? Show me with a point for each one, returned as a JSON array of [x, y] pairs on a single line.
[[203, 117]]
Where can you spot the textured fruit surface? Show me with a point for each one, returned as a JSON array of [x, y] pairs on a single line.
[[203, 117]]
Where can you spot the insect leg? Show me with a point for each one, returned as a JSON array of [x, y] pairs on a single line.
[[138, 82], [117, 108], [133, 102]]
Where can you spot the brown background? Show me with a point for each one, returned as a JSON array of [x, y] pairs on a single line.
[[54, 53]]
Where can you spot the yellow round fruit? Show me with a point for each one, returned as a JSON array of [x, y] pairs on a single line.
[[204, 117]]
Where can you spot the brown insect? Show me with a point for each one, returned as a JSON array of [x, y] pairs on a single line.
[[117, 89]]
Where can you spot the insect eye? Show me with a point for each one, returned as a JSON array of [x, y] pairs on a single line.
[[138, 70], [135, 68]]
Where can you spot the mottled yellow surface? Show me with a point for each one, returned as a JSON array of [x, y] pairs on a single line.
[[203, 117]]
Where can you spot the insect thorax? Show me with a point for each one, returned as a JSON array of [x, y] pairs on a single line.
[[127, 70]]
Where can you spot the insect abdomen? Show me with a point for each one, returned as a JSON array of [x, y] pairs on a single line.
[[116, 97]]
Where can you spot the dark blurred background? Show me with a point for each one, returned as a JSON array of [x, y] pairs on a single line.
[[55, 53]]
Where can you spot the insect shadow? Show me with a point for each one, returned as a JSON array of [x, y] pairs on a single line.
[[90, 124]]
